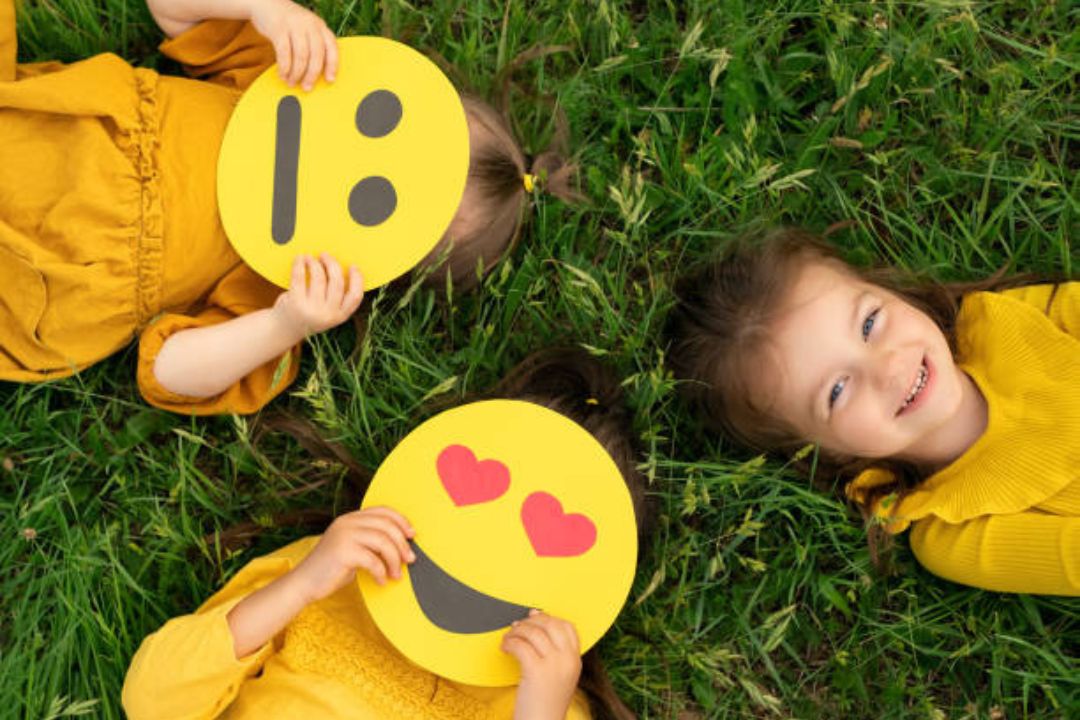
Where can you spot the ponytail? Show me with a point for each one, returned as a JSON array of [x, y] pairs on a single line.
[[501, 184]]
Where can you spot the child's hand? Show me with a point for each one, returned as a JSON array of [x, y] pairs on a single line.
[[550, 657], [303, 44], [375, 540], [317, 298]]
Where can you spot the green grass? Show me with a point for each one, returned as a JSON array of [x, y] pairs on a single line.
[[944, 133]]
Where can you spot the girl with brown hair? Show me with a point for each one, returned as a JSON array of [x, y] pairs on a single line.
[[950, 409], [290, 633], [109, 226]]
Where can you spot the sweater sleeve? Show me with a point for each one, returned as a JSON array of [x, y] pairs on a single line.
[[187, 669], [238, 293], [1060, 302], [1027, 552], [227, 52]]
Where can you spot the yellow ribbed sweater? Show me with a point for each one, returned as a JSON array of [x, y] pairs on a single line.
[[1005, 515]]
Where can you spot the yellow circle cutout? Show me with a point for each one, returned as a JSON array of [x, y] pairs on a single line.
[[369, 168], [515, 507]]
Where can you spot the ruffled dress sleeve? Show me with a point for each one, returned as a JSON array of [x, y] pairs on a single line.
[[188, 669], [238, 293], [227, 52]]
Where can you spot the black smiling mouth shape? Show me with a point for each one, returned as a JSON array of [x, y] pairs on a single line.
[[454, 606]]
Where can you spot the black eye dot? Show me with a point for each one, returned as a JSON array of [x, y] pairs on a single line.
[[378, 113], [372, 200]]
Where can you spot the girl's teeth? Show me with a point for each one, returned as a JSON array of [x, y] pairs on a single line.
[[920, 383]]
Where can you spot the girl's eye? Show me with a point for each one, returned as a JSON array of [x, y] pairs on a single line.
[[834, 394], [868, 324]]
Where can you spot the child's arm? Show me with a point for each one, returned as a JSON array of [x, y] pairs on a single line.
[[176, 16], [303, 44], [188, 669], [375, 540], [205, 361], [195, 665], [1028, 552], [550, 657]]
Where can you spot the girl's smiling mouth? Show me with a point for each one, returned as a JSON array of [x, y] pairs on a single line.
[[920, 388]]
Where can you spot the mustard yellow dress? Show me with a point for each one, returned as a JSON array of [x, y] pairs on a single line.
[[108, 213], [331, 661], [1005, 515]]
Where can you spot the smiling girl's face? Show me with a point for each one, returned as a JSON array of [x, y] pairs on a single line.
[[857, 369]]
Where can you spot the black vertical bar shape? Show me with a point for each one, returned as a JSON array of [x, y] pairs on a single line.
[[286, 167]]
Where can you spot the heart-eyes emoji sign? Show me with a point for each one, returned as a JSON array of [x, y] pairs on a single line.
[[515, 507]]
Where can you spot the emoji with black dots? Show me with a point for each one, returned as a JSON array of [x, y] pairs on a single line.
[[370, 168]]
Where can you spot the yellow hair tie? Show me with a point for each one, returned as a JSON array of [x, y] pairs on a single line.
[[592, 401], [529, 181]]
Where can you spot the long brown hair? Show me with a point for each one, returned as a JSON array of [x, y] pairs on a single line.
[[723, 314], [566, 380]]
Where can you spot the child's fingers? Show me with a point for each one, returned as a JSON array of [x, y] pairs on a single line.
[[316, 279], [380, 543], [318, 55], [365, 559], [534, 634], [573, 643], [335, 285], [283, 53], [561, 632], [520, 649], [298, 280], [330, 42], [384, 519], [389, 528], [355, 294], [300, 54], [396, 517]]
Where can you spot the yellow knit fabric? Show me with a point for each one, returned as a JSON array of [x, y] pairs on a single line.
[[1006, 514], [108, 211], [330, 662]]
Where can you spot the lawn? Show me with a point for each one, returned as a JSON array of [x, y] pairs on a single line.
[[938, 135]]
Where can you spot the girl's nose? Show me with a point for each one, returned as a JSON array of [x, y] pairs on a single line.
[[887, 372]]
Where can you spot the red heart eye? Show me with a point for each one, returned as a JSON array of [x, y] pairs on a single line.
[[469, 481], [552, 532]]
